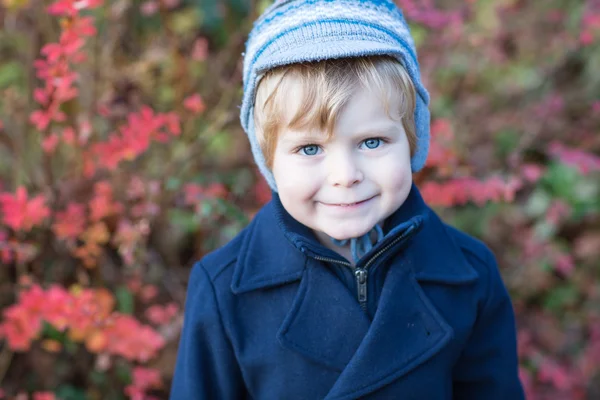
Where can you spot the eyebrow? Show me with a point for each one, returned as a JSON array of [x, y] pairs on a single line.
[[302, 137], [299, 136], [379, 129]]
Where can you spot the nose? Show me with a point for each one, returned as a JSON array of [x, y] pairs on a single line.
[[344, 170]]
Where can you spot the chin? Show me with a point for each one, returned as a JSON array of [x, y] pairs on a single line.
[[347, 233]]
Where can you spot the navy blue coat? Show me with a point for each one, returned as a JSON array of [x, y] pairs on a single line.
[[274, 315]]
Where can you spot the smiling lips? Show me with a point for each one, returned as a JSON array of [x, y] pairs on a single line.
[[348, 204]]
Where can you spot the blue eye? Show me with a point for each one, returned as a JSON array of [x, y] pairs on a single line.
[[372, 143], [310, 150]]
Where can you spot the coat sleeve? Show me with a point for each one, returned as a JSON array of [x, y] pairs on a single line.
[[488, 366], [206, 367]]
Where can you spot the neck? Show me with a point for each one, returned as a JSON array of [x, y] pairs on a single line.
[[343, 250], [352, 248]]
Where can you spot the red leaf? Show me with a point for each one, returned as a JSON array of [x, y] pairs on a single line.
[[20, 213]]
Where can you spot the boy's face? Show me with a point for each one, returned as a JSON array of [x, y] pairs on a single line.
[[344, 186]]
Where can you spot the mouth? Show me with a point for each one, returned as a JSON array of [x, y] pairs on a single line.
[[358, 203]]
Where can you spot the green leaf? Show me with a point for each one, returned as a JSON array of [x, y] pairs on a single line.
[[123, 372], [538, 203], [231, 211], [419, 34], [263, 4], [70, 346], [561, 297], [474, 219], [486, 14], [125, 302], [68, 392], [206, 208], [522, 76], [186, 220], [506, 142], [98, 378], [173, 183], [10, 73], [573, 16], [166, 94], [242, 182], [561, 179], [51, 332], [219, 144], [544, 230], [546, 266], [442, 106], [184, 22]]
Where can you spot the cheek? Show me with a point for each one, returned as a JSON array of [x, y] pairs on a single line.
[[293, 182], [297, 189], [404, 176], [399, 178]]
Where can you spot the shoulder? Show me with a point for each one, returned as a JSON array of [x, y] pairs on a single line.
[[209, 282], [478, 254], [219, 264], [474, 249], [483, 260], [219, 260]]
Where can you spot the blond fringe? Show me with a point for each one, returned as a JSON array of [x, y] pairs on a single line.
[[324, 89]]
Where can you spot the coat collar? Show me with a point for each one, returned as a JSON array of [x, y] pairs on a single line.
[[275, 247]]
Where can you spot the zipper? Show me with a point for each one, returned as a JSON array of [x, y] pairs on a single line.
[[386, 248], [361, 274], [361, 286]]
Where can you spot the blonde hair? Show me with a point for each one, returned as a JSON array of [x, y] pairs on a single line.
[[326, 86]]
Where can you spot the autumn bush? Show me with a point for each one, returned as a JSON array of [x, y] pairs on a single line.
[[122, 161]]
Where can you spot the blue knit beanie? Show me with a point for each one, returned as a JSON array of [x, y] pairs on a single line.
[[296, 31]]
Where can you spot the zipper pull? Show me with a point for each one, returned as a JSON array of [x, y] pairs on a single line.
[[361, 285]]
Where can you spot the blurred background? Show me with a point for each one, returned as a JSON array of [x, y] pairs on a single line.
[[122, 161]]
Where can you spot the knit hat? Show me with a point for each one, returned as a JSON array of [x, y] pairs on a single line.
[[296, 31]]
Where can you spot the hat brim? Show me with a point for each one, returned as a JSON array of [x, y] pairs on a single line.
[[333, 49]]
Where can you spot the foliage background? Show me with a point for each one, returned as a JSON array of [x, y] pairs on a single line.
[[122, 161]]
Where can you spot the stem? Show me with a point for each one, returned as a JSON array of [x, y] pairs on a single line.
[[21, 267], [5, 361]]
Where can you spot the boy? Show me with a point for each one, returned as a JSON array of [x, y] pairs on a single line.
[[346, 285]]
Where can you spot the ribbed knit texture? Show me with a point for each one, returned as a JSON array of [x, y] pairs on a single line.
[[294, 31]]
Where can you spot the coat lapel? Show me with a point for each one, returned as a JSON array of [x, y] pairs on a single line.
[[267, 257], [325, 323], [407, 330]]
